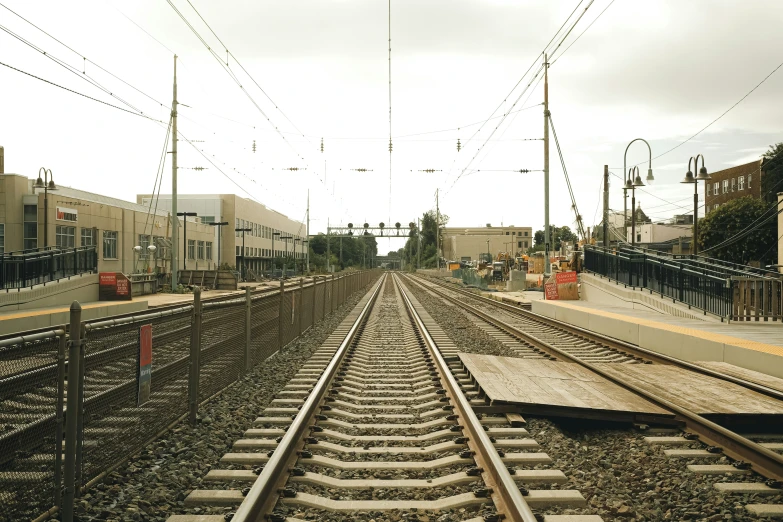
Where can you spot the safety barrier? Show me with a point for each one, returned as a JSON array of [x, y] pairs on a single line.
[[48, 457]]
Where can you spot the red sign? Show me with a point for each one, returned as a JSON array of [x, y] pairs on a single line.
[[108, 278], [144, 373], [114, 286], [550, 292], [122, 286], [565, 277]]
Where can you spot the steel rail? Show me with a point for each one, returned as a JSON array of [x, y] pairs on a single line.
[[263, 495], [505, 492], [617, 344], [764, 461]]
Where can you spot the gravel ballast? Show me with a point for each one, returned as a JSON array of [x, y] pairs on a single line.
[[153, 485]]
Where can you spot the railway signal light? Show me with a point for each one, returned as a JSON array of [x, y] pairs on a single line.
[[254, 145], [322, 144]]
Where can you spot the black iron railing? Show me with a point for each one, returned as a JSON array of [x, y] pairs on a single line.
[[34, 267], [698, 282]]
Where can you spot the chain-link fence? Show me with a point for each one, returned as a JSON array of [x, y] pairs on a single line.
[[31, 380], [197, 350]]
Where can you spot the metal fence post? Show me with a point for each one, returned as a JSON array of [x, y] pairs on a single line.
[[248, 330], [80, 415], [323, 309], [332, 295], [58, 447], [280, 317], [71, 425], [194, 367], [312, 317], [301, 306]]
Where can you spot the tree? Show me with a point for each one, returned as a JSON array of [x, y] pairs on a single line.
[[556, 235], [772, 173], [429, 231], [721, 226]]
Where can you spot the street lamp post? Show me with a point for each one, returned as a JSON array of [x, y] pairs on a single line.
[[220, 233], [47, 183], [631, 184], [185, 216], [273, 251], [243, 230], [689, 178], [286, 238], [489, 254]]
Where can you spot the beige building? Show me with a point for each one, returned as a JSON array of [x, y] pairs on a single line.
[[263, 243], [79, 219], [466, 244]]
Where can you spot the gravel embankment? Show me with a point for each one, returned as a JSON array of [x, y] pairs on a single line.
[[153, 485], [621, 476]]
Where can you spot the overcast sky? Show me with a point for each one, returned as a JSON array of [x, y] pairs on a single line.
[[661, 70]]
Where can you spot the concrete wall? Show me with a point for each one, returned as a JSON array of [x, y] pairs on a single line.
[[82, 288], [470, 242], [656, 233]]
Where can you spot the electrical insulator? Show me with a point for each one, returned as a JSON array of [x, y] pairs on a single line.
[[459, 145], [524, 171], [254, 145], [390, 145], [322, 144]]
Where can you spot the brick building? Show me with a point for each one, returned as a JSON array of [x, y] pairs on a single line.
[[733, 183]]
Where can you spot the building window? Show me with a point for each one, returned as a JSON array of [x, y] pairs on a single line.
[[725, 186], [237, 250], [733, 184], [2, 238], [88, 237], [741, 183], [709, 189], [237, 233], [30, 227], [715, 188], [514, 233], [109, 244], [201, 250], [209, 249], [750, 178], [191, 248], [506, 232], [526, 245], [144, 242], [519, 244], [207, 219], [65, 237], [638, 238]]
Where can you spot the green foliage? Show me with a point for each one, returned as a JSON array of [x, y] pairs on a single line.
[[356, 251], [730, 219], [772, 177], [429, 231], [556, 234]]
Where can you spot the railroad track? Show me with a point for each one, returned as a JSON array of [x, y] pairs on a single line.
[[538, 336], [379, 425]]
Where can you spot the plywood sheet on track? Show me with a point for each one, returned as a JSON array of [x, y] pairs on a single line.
[[701, 394], [763, 379], [538, 383]]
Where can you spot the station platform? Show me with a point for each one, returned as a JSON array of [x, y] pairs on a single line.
[[53, 316], [757, 346], [519, 298]]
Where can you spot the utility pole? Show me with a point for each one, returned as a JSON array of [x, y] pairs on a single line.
[[328, 244], [437, 230], [418, 250], [175, 225], [547, 262], [308, 232], [606, 206]]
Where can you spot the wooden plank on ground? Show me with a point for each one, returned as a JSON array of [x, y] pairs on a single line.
[[743, 373], [535, 383], [701, 394]]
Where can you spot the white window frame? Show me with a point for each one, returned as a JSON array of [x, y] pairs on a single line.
[[191, 248], [90, 236], [750, 178], [200, 249], [208, 249], [65, 236], [733, 184], [110, 250], [741, 183], [725, 186]]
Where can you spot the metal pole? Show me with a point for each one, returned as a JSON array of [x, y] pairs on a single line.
[[280, 317], [46, 211], [694, 242], [184, 242], [243, 255], [72, 408], [248, 328], [175, 227], [633, 216], [606, 206], [332, 296], [308, 236], [300, 312], [194, 366], [437, 231], [328, 244], [418, 250], [547, 262]]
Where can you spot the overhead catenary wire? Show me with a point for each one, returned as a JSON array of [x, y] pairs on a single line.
[[159, 175]]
